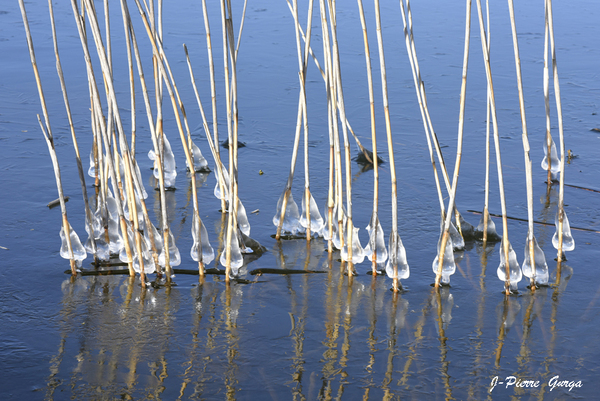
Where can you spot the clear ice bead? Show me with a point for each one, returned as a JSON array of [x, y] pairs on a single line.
[[514, 269], [492, 235], [237, 259], [397, 256], [458, 242], [92, 169], [316, 221], [174, 256], [217, 191], [567, 238], [201, 244], [554, 162], [144, 194], [291, 220], [169, 166], [358, 254], [449, 266], [200, 163], [79, 252], [376, 241], [541, 267], [242, 219]]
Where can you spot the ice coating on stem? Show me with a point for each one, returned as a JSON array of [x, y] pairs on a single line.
[[158, 240], [107, 216], [217, 191], [554, 162], [492, 235], [358, 254], [458, 242], [242, 219], [174, 256], [92, 169], [449, 266], [201, 244], [144, 194], [567, 238], [397, 256], [200, 162], [169, 166], [376, 241], [515, 270], [291, 220], [79, 253], [146, 255], [541, 267], [316, 221], [138, 203], [102, 251], [237, 259], [466, 228]]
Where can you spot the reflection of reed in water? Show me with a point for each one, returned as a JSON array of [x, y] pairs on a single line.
[[507, 310], [444, 302], [396, 320], [376, 292]]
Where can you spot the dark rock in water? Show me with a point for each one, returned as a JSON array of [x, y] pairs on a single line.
[[225, 144], [362, 159]]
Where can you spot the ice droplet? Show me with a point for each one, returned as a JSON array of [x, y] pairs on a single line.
[[541, 268], [200, 163], [242, 219], [291, 220], [217, 191], [102, 251], [144, 194], [169, 166], [316, 221], [449, 266], [568, 241], [79, 252], [492, 235], [174, 256], [201, 244], [458, 242], [358, 254], [237, 259], [92, 169], [514, 269], [397, 256], [554, 162], [376, 241]]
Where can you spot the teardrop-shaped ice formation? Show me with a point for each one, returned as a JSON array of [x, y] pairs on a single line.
[[217, 191], [492, 235], [158, 240], [567, 238], [139, 209], [291, 220], [79, 252], [169, 166], [358, 254], [397, 257], [316, 221], [458, 243], [144, 194], [515, 270], [237, 259], [200, 163], [92, 169], [102, 251], [449, 266], [376, 241], [114, 235], [146, 256], [242, 219], [174, 256], [554, 162], [202, 244], [541, 268]]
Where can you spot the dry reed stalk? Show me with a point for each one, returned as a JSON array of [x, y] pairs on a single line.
[[561, 193], [213, 93], [49, 138], [488, 72], [526, 148], [386, 108], [340, 96], [373, 135], [310, 52], [461, 121], [59, 71]]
